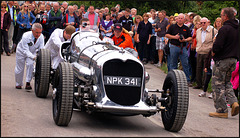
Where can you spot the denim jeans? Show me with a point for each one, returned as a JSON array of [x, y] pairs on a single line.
[[168, 62], [174, 54]]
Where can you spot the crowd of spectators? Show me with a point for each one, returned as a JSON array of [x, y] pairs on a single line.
[[150, 32]]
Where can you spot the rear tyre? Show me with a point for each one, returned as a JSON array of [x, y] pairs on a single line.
[[177, 104], [63, 97], [42, 73]]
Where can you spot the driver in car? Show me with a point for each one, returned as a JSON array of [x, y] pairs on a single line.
[[55, 41], [84, 25], [123, 40]]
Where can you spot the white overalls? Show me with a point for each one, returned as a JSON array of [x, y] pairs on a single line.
[[26, 51], [53, 44]]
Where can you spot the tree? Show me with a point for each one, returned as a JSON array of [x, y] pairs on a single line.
[[209, 9]]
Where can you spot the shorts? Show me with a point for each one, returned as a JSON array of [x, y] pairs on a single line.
[[160, 43]]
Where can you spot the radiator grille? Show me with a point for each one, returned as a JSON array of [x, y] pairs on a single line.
[[123, 95]]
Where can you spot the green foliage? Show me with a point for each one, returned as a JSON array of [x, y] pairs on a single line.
[[164, 68], [212, 9], [209, 9]]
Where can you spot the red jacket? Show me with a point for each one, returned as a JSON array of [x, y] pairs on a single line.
[[123, 41]]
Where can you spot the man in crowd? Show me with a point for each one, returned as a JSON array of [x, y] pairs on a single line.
[[65, 6], [31, 42], [160, 40], [55, 17], [133, 12], [12, 10], [82, 8], [179, 35], [127, 20], [55, 41], [70, 18], [225, 54], [153, 55], [75, 7], [192, 52], [48, 8], [16, 5], [92, 16], [204, 37]]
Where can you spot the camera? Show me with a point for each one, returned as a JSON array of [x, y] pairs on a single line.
[[24, 25], [181, 37]]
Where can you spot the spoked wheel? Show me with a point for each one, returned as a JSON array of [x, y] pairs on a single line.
[[63, 94], [176, 105], [42, 73]]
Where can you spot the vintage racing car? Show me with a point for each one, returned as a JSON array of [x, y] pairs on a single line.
[[97, 76]]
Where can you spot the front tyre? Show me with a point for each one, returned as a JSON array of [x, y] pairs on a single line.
[[63, 94], [42, 73], [176, 105]]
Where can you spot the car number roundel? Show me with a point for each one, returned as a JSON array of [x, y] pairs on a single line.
[[122, 81]]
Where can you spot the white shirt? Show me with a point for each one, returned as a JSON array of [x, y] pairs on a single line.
[[110, 33], [204, 34], [26, 46], [55, 41], [152, 22], [11, 12]]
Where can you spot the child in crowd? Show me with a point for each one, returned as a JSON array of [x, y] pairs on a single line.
[[235, 79]]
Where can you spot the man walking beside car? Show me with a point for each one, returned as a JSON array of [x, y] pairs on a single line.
[[225, 55], [55, 41], [31, 42]]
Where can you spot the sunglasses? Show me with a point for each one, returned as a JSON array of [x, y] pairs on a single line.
[[25, 6], [203, 22], [4, 7]]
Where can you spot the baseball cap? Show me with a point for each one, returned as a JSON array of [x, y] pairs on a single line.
[[118, 26]]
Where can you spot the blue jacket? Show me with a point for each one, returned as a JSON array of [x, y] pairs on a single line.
[[26, 20]]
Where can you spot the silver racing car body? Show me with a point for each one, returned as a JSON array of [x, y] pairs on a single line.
[[97, 76]]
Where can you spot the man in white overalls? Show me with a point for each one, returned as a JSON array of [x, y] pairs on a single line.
[[55, 41], [31, 42]]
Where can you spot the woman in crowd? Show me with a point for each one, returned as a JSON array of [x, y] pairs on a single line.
[[79, 14], [192, 53], [106, 26], [218, 23], [62, 10], [136, 21], [5, 25], [23, 19], [171, 21], [144, 32], [100, 15]]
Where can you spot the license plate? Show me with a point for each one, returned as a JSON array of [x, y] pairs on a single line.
[[122, 81]]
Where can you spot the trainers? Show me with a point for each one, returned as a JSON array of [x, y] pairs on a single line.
[[202, 94], [18, 87], [28, 86], [210, 96], [158, 64], [235, 109], [220, 115]]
